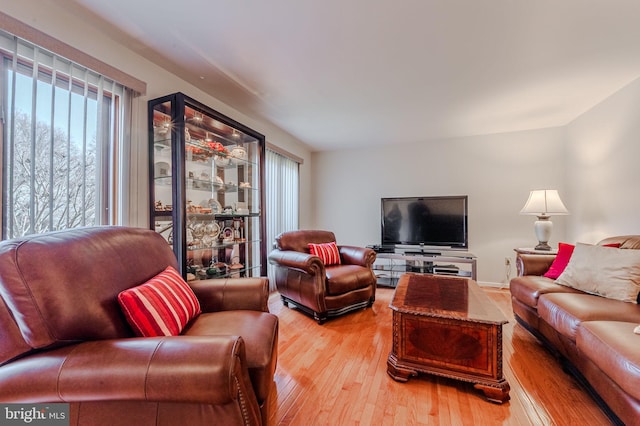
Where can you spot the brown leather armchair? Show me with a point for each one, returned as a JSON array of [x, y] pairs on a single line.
[[64, 338], [319, 290]]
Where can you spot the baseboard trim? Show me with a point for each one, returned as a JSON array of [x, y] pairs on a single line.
[[492, 284]]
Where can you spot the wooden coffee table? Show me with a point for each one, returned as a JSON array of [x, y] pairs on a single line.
[[447, 326]]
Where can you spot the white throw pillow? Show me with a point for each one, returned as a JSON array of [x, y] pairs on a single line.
[[605, 271]]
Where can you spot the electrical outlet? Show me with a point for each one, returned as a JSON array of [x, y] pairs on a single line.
[[507, 261]]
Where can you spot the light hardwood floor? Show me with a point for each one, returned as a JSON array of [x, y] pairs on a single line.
[[336, 374]]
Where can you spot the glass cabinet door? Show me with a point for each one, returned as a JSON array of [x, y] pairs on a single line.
[[206, 189]]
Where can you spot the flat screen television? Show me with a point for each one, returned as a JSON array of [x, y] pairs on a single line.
[[425, 221]]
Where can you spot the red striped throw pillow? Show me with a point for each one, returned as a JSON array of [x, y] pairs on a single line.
[[327, 252], [162, 306]]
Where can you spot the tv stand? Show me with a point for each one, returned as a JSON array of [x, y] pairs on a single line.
[[390, 266]]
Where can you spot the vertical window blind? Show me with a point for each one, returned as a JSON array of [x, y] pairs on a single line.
[[282, 198], [65, 144]]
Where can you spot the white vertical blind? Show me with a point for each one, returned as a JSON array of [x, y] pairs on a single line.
[[66, 136], [282, 198]]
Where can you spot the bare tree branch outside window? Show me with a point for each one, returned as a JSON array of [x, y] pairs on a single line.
[[59, 201]]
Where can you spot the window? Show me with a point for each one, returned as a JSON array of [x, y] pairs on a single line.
[[62, 142], [282, 200]]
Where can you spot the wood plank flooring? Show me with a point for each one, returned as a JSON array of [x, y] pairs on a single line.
[[336, 374]]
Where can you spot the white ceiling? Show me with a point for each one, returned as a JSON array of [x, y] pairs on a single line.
[[352, 73]]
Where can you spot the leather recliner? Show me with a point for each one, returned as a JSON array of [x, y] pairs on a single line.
[[318, 289], [64, 338]]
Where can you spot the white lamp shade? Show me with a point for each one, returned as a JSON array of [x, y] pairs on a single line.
[[544, 203]]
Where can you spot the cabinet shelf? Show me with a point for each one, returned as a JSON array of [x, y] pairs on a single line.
[[200, 153], [205, 216], [201, 129], [202, 273], [164, 143], [219, 245], [191, 184], [207, 185]]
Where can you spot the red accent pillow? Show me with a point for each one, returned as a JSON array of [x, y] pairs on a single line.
[[327, 252], [562, 259], [162, 306]]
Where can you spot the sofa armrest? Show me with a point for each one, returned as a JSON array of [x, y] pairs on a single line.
[[193, 369], [304, 262], [232, 294], [352, 255], [533, 264]]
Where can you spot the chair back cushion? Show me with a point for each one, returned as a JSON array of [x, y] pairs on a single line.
[[299, 240], [62, 287]]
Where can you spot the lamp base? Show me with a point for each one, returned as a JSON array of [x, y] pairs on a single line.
[[543, 227], [543, 246]]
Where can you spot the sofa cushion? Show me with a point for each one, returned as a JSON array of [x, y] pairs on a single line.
[[624, 241], [162, 306], [612, 273], [327, 252], [345, 278], [529, 288], [566, 311], [613, 348]]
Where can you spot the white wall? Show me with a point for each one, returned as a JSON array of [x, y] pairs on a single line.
[[73, 28], [603, 149], [495, 171]]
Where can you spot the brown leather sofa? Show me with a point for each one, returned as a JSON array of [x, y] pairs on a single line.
[[591, 335], [322, 291], [64, 339]]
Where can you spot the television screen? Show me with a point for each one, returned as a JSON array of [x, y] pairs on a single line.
[[429, 221]]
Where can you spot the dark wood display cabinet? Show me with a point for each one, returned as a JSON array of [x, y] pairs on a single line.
[[207, 189]]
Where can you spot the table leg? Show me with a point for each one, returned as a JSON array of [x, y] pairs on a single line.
[[497, 394], [400, 374]]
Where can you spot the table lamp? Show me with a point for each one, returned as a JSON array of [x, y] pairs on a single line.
[[544, 203]]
